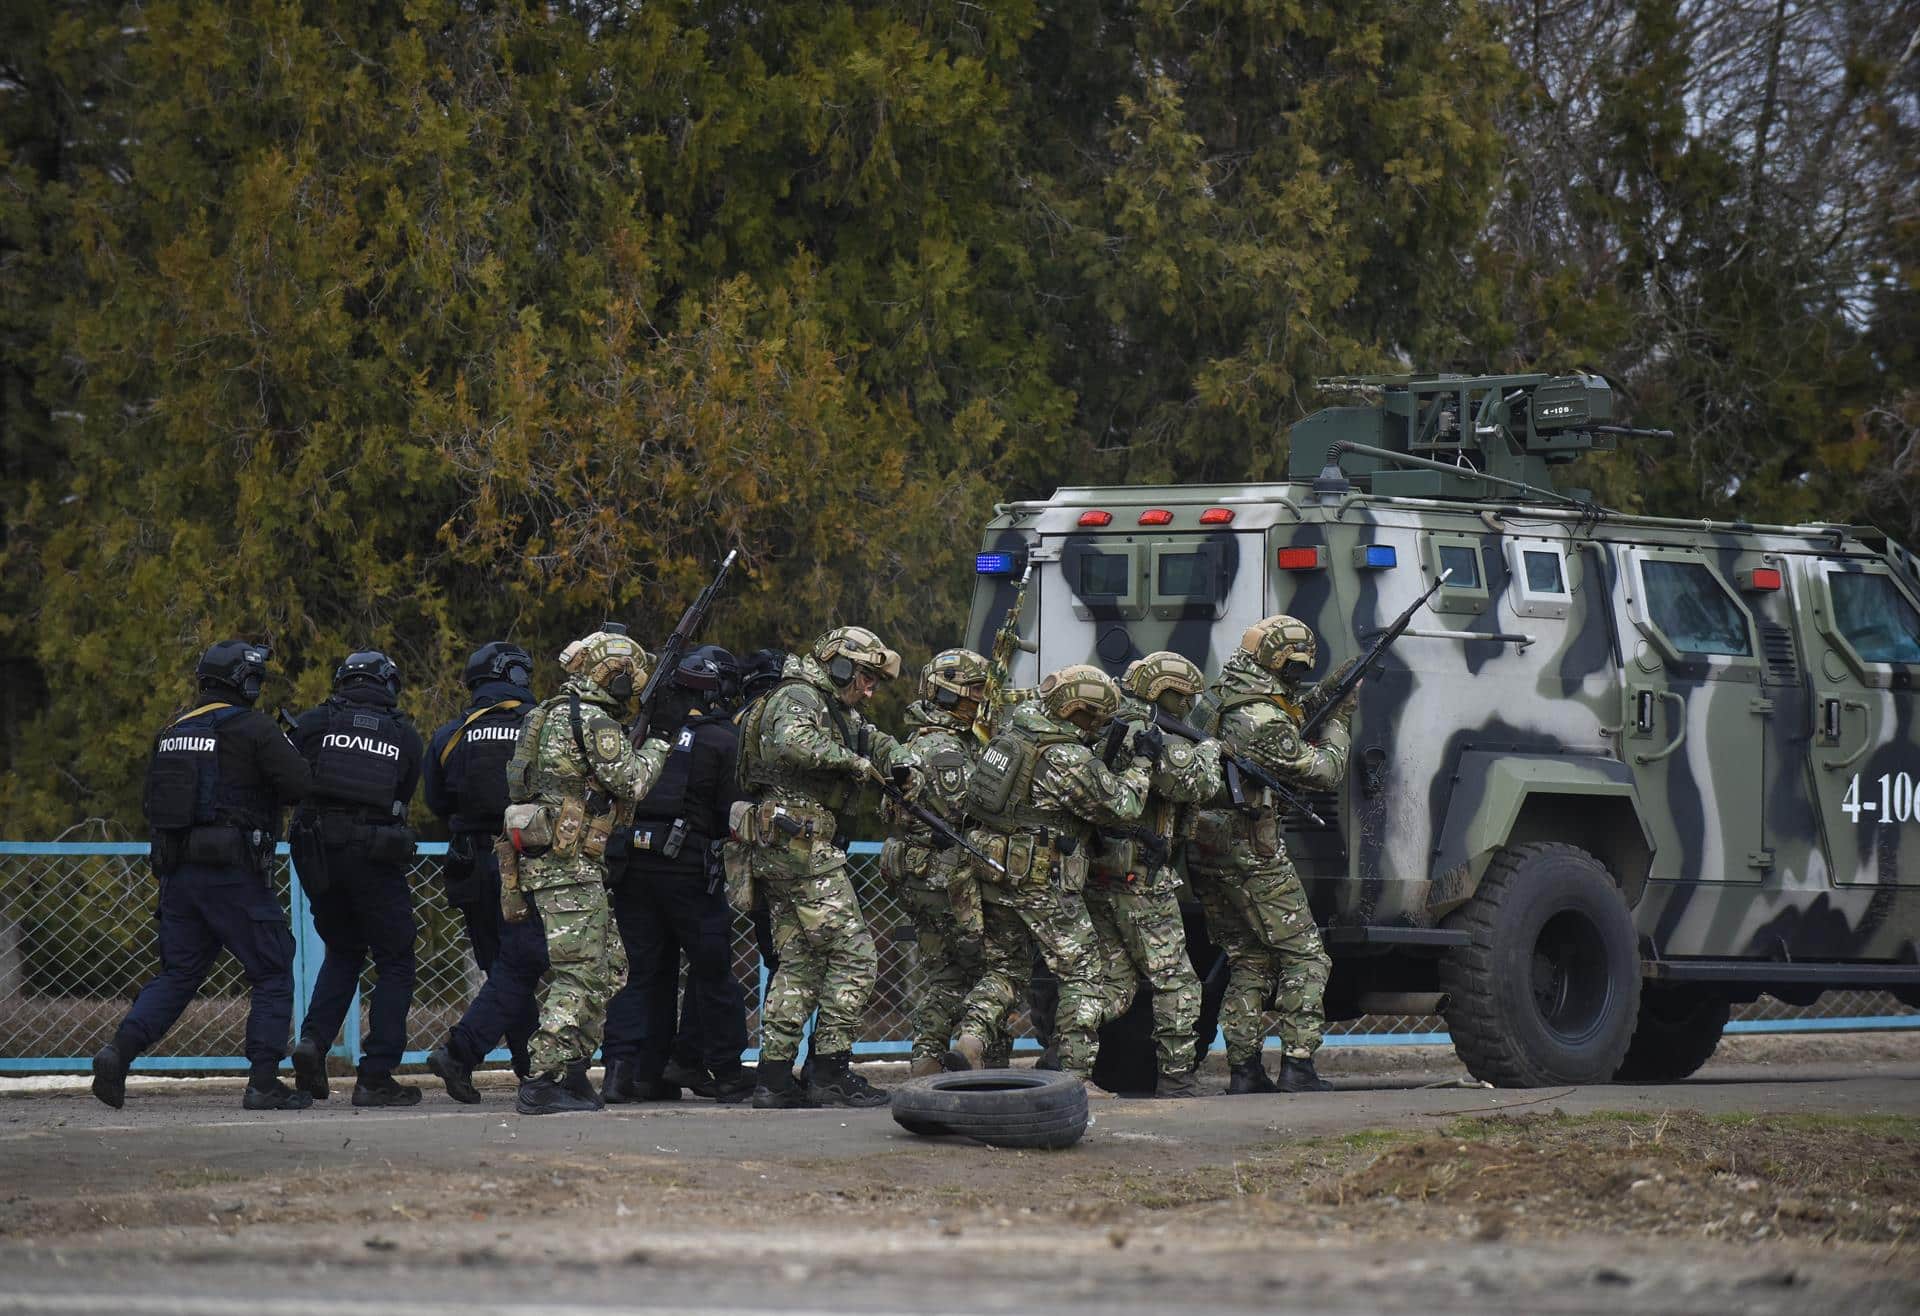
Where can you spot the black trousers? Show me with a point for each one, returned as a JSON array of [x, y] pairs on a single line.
[[663, 915], [366, 912]]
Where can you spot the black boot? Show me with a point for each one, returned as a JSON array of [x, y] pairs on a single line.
[[576, 1081], [378, 1089], [272, 1094], [1250, 1076], [1176, 1085], [694, 1078], [110, 1065], [1299, 1076], [543, 1095], [616, 1089], [775, 1089], [310, 1068], [835, 1084], [731, 1087], [457, 1077], [1049, 1058]]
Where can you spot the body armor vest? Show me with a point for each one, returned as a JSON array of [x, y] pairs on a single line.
[[185, 787], [759, 769], [358, 762], [1000, 792], [485, 743]]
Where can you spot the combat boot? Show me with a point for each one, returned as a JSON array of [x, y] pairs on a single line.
[[1049, 1058], [924, 1067], [381, 1090], [275, 1095], [968, 1053], [1250, 1076], [680, 1074], [617, 1088], [834, 1083], [457, 1077], [1300, 1076], [1176, 1085], [776, 1089], [110, 1067], [577, 1082], [731, 1087], [310, 1068], [543, 1095]]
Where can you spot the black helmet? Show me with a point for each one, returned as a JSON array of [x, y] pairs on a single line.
[[710, 670], [760, 672], [238, 666], [368, 665], [499, 660]]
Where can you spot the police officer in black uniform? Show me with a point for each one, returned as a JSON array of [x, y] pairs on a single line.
[[219, 776], [352, 848], [669, 900], [466, 784]]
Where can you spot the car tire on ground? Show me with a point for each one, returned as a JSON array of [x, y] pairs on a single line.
[[1002, 1107], [1678, 1031], [1548, 991]]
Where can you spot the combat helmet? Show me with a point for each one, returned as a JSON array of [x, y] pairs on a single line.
[[1164, 673], [612, 661], [368, 667], [234, 667], [954, 679], [844, 648], [498, 660], [1282, 645], [1081, 694]]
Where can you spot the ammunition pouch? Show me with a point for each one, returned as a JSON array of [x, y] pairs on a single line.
[[903, 861], [390, 845], [736, 863], [1031, 859], [771, 824], [1128, 856], [1219, 834], [570, 828], [219, 846], [513, 903], [529, 829], [309, 853], [167, 850], [457, 871]]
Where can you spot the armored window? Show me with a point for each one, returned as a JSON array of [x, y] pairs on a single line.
[[1543, 571], [1877, 620], [1184, 575], [1694, 610], [1464, 561], [1105, 573]]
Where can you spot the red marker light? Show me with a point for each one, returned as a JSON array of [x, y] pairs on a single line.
[[1216, 516], [1300, 559], [1156, 516], [1763, 579], [1096, 518]]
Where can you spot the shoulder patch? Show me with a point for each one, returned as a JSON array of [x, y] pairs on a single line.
[[607, 742], [1288, 744]]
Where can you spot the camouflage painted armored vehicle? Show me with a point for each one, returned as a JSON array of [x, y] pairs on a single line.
[[1621, 773]]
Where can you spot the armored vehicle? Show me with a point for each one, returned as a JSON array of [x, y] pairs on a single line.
[[1622, 771]]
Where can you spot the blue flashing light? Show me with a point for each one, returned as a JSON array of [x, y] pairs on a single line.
[[1377, 557], [993, 564]]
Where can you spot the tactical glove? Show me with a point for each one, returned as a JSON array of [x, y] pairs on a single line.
[[908, 780], [1148, 742], [863, 768]]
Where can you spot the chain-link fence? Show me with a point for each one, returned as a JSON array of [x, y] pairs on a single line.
[[77, 940]]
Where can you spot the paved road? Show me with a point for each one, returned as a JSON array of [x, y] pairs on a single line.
[[60, 1148]]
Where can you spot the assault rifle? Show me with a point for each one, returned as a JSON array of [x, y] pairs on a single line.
[[676, 644], [920, 813], [1000, 662], [1239, 767], [1351, 676]]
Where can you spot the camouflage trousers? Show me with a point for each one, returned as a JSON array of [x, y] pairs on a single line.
[[827, 962], [951, 959], [587, 964], [1138, 933], [1017, 919], [1259, 916]]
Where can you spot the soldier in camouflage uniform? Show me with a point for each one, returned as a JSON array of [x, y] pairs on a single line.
[[937, 886], [1132, 893], [575, 763], [1256, 908], [804, 753], [1037, 793]]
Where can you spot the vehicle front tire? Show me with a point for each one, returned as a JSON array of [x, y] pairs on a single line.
[[1548, 991], [1678, 1031]]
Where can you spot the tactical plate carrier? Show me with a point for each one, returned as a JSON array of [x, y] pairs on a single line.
[[1624, 771]]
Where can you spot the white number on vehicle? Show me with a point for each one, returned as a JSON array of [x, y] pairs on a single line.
[[1897, 800]]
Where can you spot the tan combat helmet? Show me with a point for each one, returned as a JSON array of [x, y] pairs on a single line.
[[1081, 694], [1283, 645], [844, 648], [614, 662], [1164, 678], [954, 681]]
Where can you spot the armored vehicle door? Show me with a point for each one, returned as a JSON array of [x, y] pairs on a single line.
[[1695, 727], [1863, 643], [1120, 596]]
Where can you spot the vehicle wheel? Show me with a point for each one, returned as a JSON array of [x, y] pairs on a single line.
[[1678, 1031], [1004, 1107], [1549, 989]]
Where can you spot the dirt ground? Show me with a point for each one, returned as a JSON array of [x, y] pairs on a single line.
[[1785, 1177]]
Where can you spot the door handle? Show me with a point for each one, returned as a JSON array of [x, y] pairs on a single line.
[[1833, 715], [1679, 720]]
